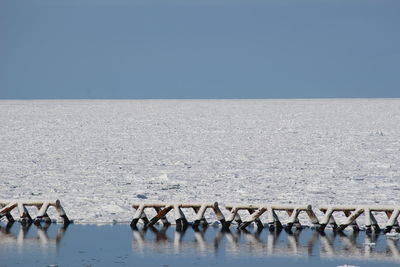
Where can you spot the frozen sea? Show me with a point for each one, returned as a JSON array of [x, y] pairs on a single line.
[[99, 156]]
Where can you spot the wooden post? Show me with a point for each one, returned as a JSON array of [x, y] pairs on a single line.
[[313, 218], [137, 215], [375, 224], [273, 220], [180, 218], [24, 214], [61, 212], [41, 213], [232, 215], [220, 216]]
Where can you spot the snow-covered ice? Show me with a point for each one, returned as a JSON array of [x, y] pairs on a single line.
[[98, 157]]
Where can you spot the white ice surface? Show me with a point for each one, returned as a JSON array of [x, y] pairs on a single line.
[[98, 156]]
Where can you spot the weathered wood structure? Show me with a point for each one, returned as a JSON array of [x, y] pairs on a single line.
[[7, 206], [180, 218], [273, 220], [353, 212], [272, 210]]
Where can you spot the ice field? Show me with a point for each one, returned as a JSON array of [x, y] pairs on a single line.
[[98, 157]]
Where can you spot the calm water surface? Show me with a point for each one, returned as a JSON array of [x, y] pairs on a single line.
[[119, 245]]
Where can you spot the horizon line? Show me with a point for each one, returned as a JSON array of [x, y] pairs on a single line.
[[141, 99]]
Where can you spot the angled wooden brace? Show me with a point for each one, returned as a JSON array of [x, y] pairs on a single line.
[[293, 219], [327, 219], [5, 211], [42, 214], [160, 215], [233, 215], [163, 219], [392, 222], [350, 219], [353, 224], [252, 217], [257, 220], [199, 216]]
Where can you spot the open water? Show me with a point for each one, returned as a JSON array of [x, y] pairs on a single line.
[[119, 245]]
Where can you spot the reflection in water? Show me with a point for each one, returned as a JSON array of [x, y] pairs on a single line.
[[302, 242], [9, 234], [83, 243]]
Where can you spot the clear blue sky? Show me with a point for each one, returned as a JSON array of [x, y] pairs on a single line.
[[199, 49]]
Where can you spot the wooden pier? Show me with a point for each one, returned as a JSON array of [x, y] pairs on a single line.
[[180, 218], [255, 211], [7, 206]]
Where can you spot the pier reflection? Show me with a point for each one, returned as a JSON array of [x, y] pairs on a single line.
[[31, 234], [301, 242]]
